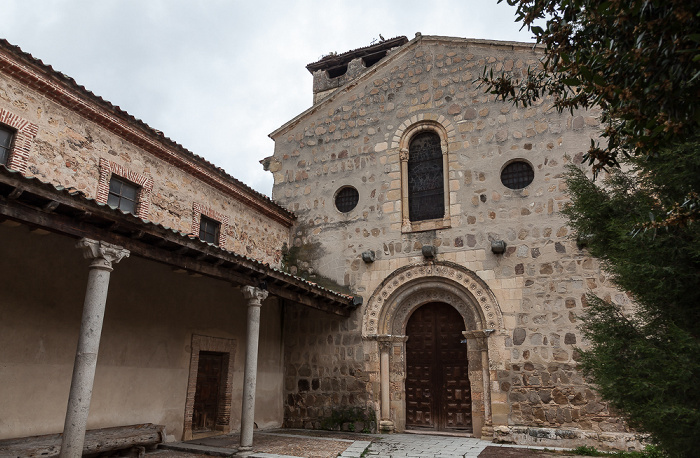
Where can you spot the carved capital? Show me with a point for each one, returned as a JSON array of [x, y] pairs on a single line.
[[103, 254], [254, 295], [403, 154], [479, 337]]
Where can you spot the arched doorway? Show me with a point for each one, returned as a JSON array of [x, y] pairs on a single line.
[[384, 330], [438, 392]]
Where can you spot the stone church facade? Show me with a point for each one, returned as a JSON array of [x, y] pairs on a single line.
[[412, 268], [436, 203]]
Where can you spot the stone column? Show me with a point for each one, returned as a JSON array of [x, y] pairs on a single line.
[[445, 179], [255, 296], [385, 423], [477, 346], [103, 255], [405, 221]]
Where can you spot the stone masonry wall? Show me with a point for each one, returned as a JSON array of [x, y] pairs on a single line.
[[324, 367], [352, 138], [67, 151]]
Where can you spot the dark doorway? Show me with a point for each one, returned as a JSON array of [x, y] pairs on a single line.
[[206, 398], [438, 394]]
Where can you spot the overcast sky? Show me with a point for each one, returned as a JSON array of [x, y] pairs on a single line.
[[218, 76]]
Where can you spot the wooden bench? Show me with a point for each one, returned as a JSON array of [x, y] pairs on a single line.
[[134, 440]]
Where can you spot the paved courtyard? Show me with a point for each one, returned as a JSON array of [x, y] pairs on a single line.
[[324, 444], [414, 445]]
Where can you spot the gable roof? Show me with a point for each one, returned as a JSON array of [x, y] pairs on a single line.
[[64, 90], [386, 62]]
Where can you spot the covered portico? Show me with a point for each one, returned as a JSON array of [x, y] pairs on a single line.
[[157, 272]]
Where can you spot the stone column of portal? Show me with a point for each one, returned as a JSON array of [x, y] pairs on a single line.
[[477, 341], [405, 221], [103, 255], [385, 423], [255, 296]]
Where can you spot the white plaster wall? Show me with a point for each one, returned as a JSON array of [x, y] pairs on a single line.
[[142, 369]]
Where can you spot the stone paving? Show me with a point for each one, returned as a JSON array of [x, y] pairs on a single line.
[[296, 443], [424, 446]]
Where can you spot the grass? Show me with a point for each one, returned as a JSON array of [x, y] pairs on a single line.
[[649, 452]]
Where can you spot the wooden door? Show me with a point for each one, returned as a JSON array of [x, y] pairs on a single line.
[[438, 394], [206, 398]]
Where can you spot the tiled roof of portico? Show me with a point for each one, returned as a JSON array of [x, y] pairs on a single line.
[[39, 204]]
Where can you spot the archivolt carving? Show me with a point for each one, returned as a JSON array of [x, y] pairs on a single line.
[[412, 286]]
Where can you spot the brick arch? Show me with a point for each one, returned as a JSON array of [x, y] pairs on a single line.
[[22, 143], [409, 287]]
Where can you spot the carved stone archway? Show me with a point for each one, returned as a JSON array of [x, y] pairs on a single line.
[[384, 326]]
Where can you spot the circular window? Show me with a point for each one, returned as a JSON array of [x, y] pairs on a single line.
[[346, 199], [517, 175]]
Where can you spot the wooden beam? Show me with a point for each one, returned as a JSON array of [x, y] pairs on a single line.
[[241, 271], [51, 206], [15, 193], [138, 235]]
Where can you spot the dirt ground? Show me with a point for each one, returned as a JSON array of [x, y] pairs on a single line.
[[309, 444], [507, 452]]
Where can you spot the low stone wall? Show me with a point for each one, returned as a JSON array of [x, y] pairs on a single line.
[[567, 438]]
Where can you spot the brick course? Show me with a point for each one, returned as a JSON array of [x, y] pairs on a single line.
[[69, 140]]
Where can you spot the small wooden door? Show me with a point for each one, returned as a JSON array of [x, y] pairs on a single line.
[[206, 398], [438, 394]]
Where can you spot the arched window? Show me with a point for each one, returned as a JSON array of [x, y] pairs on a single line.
[[423, 143], [426, 188]]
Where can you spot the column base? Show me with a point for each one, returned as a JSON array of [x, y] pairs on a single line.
[[244, 451], [386, 426], [487, 432]]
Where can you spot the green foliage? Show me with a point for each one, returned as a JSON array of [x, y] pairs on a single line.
[[350, 416], [637, 60], [646, 362], [649, 452], [586, 450], [658, 265]]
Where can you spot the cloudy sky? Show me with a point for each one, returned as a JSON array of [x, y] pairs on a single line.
[[218, 76]]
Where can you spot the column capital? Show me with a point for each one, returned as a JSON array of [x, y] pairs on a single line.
[[477, 334], [479, 338], [103, 254], [254, 295], [403, 154]]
